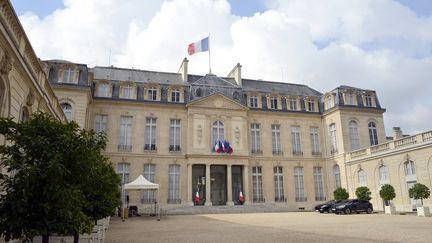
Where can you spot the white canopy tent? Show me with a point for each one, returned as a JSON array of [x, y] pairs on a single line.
[[141, 183]]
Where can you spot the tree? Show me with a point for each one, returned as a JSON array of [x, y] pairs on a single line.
[[49, 164], [387, 193], [419, 191], [363, 193], [340, 194]]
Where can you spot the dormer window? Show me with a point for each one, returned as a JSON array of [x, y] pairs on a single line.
[[292, 104], [310, 105], [103, 90], [349, 99], [175, 95], [253, 101], [127, 92], [368, 100], [329, 102], [152, 93], [68, 76], [273, 102]]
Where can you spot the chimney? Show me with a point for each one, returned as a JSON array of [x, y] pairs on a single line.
[[183, 70], [397, 133], [236, 74]]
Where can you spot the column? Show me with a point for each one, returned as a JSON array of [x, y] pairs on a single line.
[[208, 201], [246, 184], [229, 186], [189, 185]]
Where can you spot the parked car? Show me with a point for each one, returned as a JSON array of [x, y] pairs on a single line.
[[353, 205], [327, 207]]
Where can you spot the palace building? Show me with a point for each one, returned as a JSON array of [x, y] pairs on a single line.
[[292, 145]]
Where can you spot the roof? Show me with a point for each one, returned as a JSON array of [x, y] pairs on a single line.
[[213, 80], [282, 88], [136, 75]]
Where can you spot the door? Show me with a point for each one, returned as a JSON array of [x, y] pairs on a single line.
[[218, 178]]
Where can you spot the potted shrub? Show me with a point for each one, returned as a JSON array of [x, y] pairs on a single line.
[[363, 193], [420, 191], [340, 194], [387, 193]]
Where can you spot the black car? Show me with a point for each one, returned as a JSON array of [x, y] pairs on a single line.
[[327, 207], [353, 205]]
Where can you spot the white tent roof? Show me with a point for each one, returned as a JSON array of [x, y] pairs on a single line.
[[141, 183]]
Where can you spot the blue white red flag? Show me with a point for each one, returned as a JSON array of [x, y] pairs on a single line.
[[197, 198], [241, 197], [227, 147], [200, 46], [217, 148]]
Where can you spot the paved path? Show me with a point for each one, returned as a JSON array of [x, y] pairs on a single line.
[[272, 227]]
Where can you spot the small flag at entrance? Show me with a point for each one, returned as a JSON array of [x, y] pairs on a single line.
[[241, 198], [197, 199], [200, 46]]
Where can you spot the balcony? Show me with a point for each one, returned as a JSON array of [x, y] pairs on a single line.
[[277, 152], [256, 152], [301, 199], [320, 198], [280, 199], [174, 201], [297, 153], [150, 147], [174, 148], [148, 200], [123, 147], [316, 153]]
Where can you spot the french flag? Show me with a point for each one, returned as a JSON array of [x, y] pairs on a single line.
[[218, 146], [241, 197], [200, 46], [197, 199], [227, 147]]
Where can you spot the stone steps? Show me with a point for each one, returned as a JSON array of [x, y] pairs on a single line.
[[227, 209]]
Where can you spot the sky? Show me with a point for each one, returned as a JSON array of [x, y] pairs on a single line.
[[382, 45]]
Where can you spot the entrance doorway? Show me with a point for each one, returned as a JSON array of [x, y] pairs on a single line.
[[237, 183], [218, 178], [198, 184]]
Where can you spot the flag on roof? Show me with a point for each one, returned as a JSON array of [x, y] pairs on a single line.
[[200, 46]]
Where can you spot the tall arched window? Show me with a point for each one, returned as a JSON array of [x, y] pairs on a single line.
[[409, 168], [384, 177], [218, 132], [354, 135], [361, 177], [337, 176], [332, 129], [67, 109], [373, 136]]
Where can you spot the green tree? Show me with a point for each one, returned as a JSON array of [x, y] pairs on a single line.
[[49, 165], [340, 194], [419, 191], [363, 193], [387, 193]]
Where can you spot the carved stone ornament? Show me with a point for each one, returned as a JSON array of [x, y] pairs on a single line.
[[237, 135], [30, 99], [6, 64], [199, 134], [381, 162], [359, 167]]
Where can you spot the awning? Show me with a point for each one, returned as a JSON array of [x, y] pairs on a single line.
[[141, 183]]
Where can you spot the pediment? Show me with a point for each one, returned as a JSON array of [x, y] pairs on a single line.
[[217, 101], [213, 80]]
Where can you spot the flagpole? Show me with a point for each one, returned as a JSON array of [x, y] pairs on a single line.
[[209, 54]]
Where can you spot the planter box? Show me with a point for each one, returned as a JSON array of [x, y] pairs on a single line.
[[423, 211], [390, 209]]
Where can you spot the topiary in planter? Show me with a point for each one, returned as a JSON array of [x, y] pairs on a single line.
[[419, 191], [363, 193], [387, 193], [340, 194]]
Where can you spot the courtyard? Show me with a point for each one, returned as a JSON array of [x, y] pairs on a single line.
[[272, 227]]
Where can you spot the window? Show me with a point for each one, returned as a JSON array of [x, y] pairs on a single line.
[[68, 76], [319, 187], [149, 174], [253, 101], [299, 184], [329, 102], [349, 99], [333, 141], [273, 102], [174, 135], [337, 176], [103, 90], [218, 133], [361, 177], [409, 168], [67, 110], [255, 138], [278, 184], [127, 92], [101, 123], [373, 136], [25, 114], [292, 104], [175, 96], [368, 100], [125, 133], [310, 104], [296, 144], [276, 145], [123, 171], [150, 134], [384, 175], [316, 150], [354, 135], [152, 93], [174, 184], [258, 195]]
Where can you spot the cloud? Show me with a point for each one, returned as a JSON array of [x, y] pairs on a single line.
[[378, 45]]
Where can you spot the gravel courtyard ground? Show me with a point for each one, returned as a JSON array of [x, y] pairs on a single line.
[[272, 227]]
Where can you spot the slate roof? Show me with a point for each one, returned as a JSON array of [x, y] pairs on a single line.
[[252, 85], [213, 80], [136, 75]]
